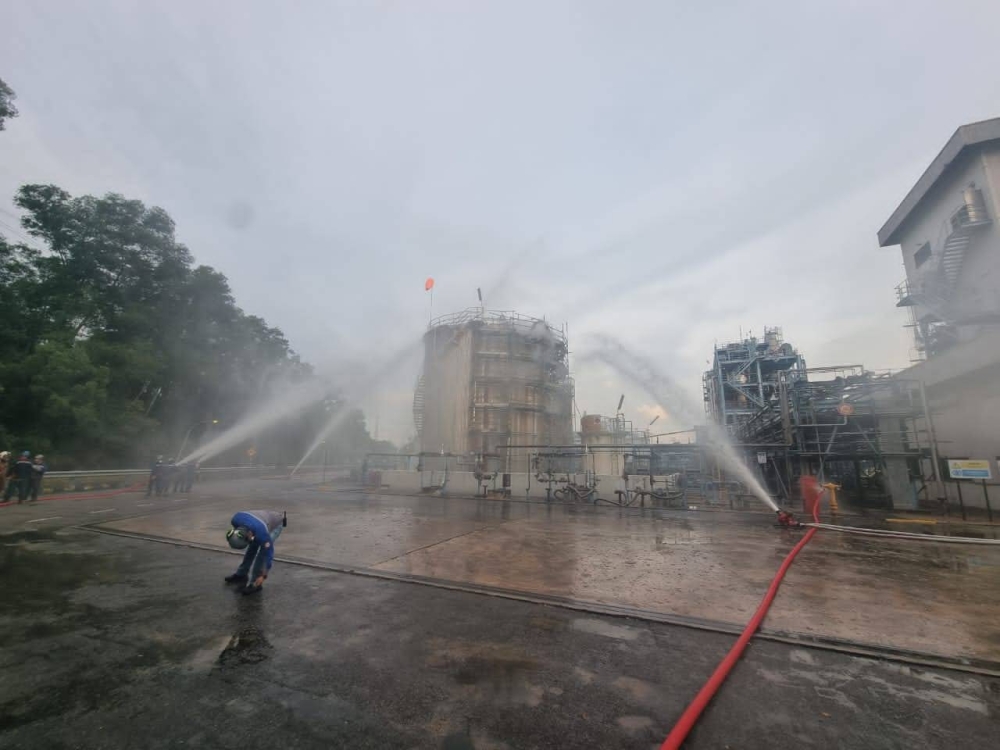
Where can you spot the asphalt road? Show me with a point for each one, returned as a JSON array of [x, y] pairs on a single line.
[[117, 642]]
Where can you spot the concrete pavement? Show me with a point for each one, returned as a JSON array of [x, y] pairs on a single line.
[[120, 642], [928, 597]]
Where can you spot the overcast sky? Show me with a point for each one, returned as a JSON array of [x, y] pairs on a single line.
[[657, 171]]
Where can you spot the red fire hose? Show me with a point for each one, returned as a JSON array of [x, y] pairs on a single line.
[[694, 710]]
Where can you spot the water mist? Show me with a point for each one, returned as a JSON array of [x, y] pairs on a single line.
[[365, 384], [284, 403], [674, 401]]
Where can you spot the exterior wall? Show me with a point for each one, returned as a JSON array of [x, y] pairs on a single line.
[[979, 283], [447, 380], [966, 415], [603, 461], [978, 286], [963, 393]]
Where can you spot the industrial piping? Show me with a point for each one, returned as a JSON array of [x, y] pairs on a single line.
[[904, 535]]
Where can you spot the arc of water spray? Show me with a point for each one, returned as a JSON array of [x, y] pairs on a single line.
[[365, 385], [283, 405], [647, 376]]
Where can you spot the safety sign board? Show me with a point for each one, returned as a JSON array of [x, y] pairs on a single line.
[[969, 469]]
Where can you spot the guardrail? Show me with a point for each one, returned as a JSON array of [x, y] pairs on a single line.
[[59, 482]]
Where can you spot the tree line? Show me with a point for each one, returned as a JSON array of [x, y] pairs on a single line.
[[116, 345]]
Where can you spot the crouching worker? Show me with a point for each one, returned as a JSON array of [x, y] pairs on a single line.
[[256, 531]]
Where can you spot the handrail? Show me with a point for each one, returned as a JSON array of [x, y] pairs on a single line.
[[144, 472], [496, 318]]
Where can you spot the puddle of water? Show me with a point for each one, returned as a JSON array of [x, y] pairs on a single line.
[[205, 659], [607, 629], [39, 571], [634, 723], [640, 691], [501, 679], [547, 623], [27, 536], [247, 646]]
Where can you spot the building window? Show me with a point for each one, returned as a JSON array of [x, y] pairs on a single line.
[[922, 255]]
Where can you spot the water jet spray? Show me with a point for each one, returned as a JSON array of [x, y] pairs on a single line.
[[672, 399]]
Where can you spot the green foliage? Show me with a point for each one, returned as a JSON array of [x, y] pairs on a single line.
[[115, 344], [7, 108]]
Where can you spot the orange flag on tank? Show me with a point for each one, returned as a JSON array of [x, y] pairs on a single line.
[[429, 284]]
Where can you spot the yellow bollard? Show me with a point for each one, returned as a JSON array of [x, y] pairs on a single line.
[[833, 496]]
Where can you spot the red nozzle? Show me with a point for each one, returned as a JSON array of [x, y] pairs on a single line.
[[787, 520]]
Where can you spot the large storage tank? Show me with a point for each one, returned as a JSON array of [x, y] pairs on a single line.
[[492, 381], [590, 424]]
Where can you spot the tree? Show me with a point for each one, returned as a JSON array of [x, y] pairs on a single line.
[[55, 394], [118, 344], [7, 108]]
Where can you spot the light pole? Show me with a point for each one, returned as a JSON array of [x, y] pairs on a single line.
[[188, 434], [326, 450]]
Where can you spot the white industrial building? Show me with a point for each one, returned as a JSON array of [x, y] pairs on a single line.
[[946, 228]]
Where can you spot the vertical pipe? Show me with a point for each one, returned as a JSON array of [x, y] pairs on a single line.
[[932, 436], [986, 496], [527, 470], [857, 479], [760, 383], [722, 391]]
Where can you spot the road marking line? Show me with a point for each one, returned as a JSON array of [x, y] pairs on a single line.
[[143, 505], [47, 518], [106, 510]]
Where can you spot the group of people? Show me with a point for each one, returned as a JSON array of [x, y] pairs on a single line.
[[22, 476], [165, 476]]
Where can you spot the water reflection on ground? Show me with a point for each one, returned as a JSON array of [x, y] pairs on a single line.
[[713, 565]]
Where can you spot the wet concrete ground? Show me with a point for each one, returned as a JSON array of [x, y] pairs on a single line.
[[922, 596], [119, 642]]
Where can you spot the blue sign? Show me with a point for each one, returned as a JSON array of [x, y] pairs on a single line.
[[969, 469]]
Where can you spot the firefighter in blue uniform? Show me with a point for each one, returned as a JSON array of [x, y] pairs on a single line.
[[256, 531]]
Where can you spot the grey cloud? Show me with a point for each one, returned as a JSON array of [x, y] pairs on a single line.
[[570, 158]]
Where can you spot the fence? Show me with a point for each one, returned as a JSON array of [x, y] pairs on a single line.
[[58, 482]]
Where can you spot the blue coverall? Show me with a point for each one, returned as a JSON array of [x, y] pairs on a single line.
[[265, 525]]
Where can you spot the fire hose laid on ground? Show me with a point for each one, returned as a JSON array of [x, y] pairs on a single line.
[[697, 706]]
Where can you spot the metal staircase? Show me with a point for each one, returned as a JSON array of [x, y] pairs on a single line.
[[932, 292], [934, 289], [964, 223], [418, 406]]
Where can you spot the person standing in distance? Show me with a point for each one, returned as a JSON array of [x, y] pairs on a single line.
[[4, 463], [255, 531], [19, 478], [38, 469]]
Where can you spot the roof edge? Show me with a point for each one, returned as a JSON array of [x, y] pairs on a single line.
[[971, 134]]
